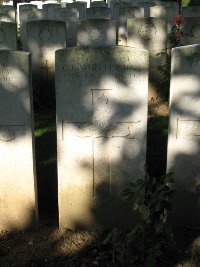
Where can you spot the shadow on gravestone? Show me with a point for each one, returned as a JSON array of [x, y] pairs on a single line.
[[101, 133], [184, 132], [18, 192]]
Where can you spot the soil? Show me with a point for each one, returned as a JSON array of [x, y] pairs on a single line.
[[51, 247]]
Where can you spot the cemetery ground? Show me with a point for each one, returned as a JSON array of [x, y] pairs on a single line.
[[49, 246]]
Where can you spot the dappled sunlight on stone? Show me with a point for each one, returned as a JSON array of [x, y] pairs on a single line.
[[17, 167], [183, 140], [102, 132]]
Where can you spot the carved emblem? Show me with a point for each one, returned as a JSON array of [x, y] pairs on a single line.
[[6, 134], [102, 112], [147, 31], [45, 36], [95, 34], [32, 16]]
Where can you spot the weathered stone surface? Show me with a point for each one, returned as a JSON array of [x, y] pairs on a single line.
[[70, 15], [29, 14], [7, 13], [81, 7], [165, 12], [43, 39], [150, 34], [126, 13], [18, 190], [98, 13], [101, 96], [8, 35], [96, 32], [183, 157], [21, 7], [191, 31], [50, 10]]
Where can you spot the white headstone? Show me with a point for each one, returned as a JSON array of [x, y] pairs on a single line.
[[18, 194], [190, 31], [50, 10], [38, 3], [98, 13], [165, 12], [150, 34], [21, 7], [184, 134], [126, 13], [70, 16], [8, 35], [101, 96], [43, 39], [146, 6], [96, 32], [81, 7], [8, 13], [26, 15]]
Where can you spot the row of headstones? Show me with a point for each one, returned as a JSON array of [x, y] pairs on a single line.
[[43, 38], [101, 107]]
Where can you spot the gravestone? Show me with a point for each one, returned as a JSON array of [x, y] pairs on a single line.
[[18, 193], [7, 13], [98, 13], [165, 12], [43, 39], [124, 14], [50, 2], [38, 3], [50, 10], [87, 3], [98, 4], [146, 6], [190, 31], [29, 14], [96, 32], [150, 34], [81, 7], [21, 7], [70, 16], [8, 35], [101, 96], [183, 156], [191, 11]]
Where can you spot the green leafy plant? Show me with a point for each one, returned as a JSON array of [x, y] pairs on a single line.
[[151, 198]]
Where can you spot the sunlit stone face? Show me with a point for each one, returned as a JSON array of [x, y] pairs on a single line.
[[184, 133], [96, 32], [70, 15], [44, 37], [124, 14], [18, 199], [101, 132], [150, 34]]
